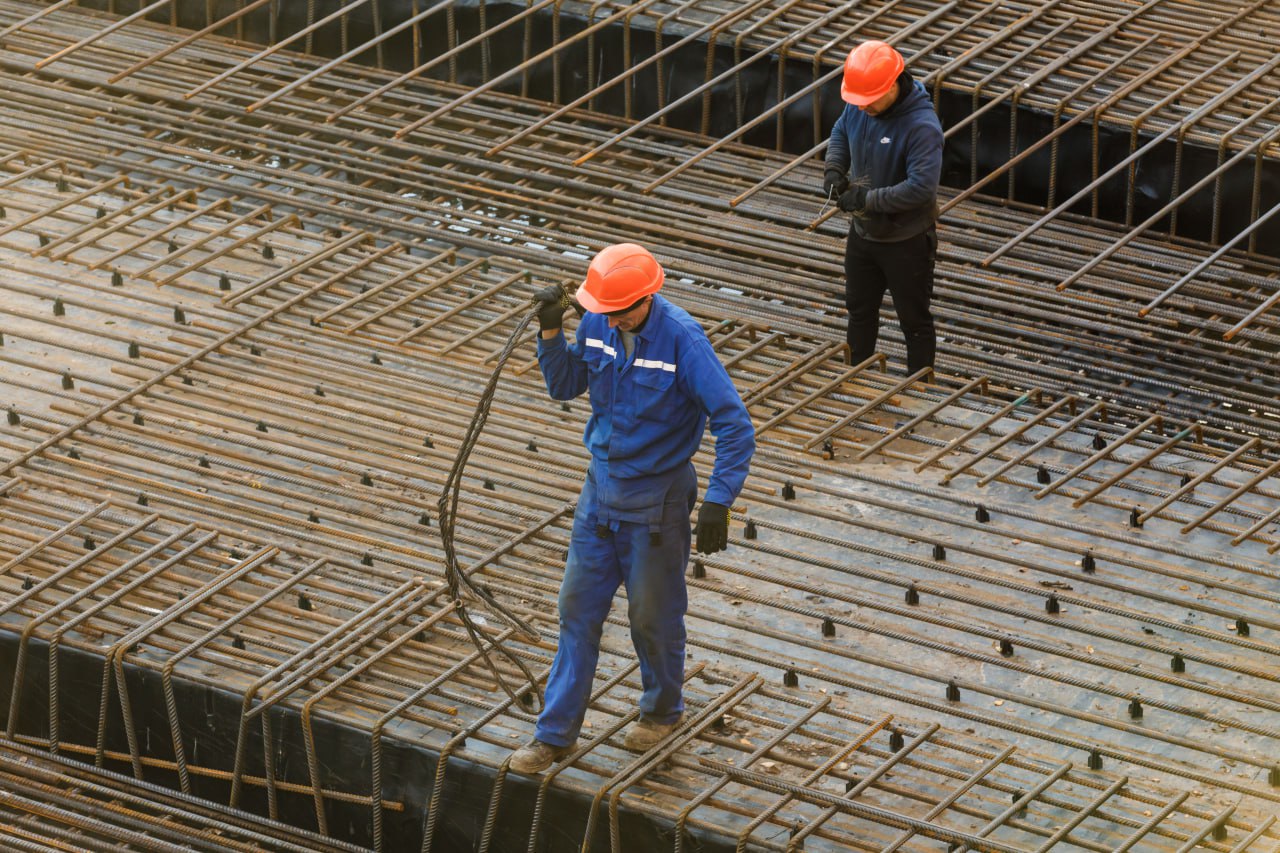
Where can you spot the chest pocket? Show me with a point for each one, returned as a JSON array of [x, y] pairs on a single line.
[[600, 381], [653, 392]]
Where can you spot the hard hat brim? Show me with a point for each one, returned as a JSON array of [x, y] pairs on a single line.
[[599, 306], [862, 100]]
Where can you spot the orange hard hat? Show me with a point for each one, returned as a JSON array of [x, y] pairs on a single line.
[[870, 71], [620, 276]]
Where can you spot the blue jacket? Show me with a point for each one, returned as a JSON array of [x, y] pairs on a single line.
[[649, 411], [899, 155]]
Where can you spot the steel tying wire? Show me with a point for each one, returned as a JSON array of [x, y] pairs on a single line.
[[447, 510]]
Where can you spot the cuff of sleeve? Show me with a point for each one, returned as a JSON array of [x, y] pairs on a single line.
[[718, 495]]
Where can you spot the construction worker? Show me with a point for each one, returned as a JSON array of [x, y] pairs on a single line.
[[890, 140], [654, 383]]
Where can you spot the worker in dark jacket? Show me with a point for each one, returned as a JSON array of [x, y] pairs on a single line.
[[890, 140], [654, 383]]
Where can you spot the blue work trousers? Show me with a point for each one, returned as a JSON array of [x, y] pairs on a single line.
[[649, 557]]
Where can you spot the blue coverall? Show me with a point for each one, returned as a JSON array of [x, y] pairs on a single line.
[[648, 414]]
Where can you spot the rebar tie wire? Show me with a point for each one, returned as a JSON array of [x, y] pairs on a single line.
[[447, 509]]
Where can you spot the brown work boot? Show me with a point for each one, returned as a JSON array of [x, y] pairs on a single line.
[[645, 734], [536, 756]]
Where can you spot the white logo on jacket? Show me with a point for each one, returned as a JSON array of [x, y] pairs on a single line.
[[884, 140]]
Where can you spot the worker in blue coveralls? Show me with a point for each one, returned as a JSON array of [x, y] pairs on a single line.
[[654, 383], [890, 140]]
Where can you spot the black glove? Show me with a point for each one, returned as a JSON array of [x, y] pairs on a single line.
[[854, 199], [713, 528], [834, 182], [551, 301]]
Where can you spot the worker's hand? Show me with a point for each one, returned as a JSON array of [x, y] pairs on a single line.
[[551, 301], [713, 528], [854, 199], [834, 183]]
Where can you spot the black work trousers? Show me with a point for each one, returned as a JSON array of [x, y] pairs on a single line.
[[905, 269]]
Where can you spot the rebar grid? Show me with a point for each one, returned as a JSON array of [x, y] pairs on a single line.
[[250, 448], [265, 629], [52, 804], [481, 216], [299, 391], [1045, 57]]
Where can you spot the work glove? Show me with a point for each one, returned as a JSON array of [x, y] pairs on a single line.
[[834, 182], [551, 301], [713, 528], [854, 199]]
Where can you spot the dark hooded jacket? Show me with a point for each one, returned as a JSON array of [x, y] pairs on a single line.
[[898, 155]]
